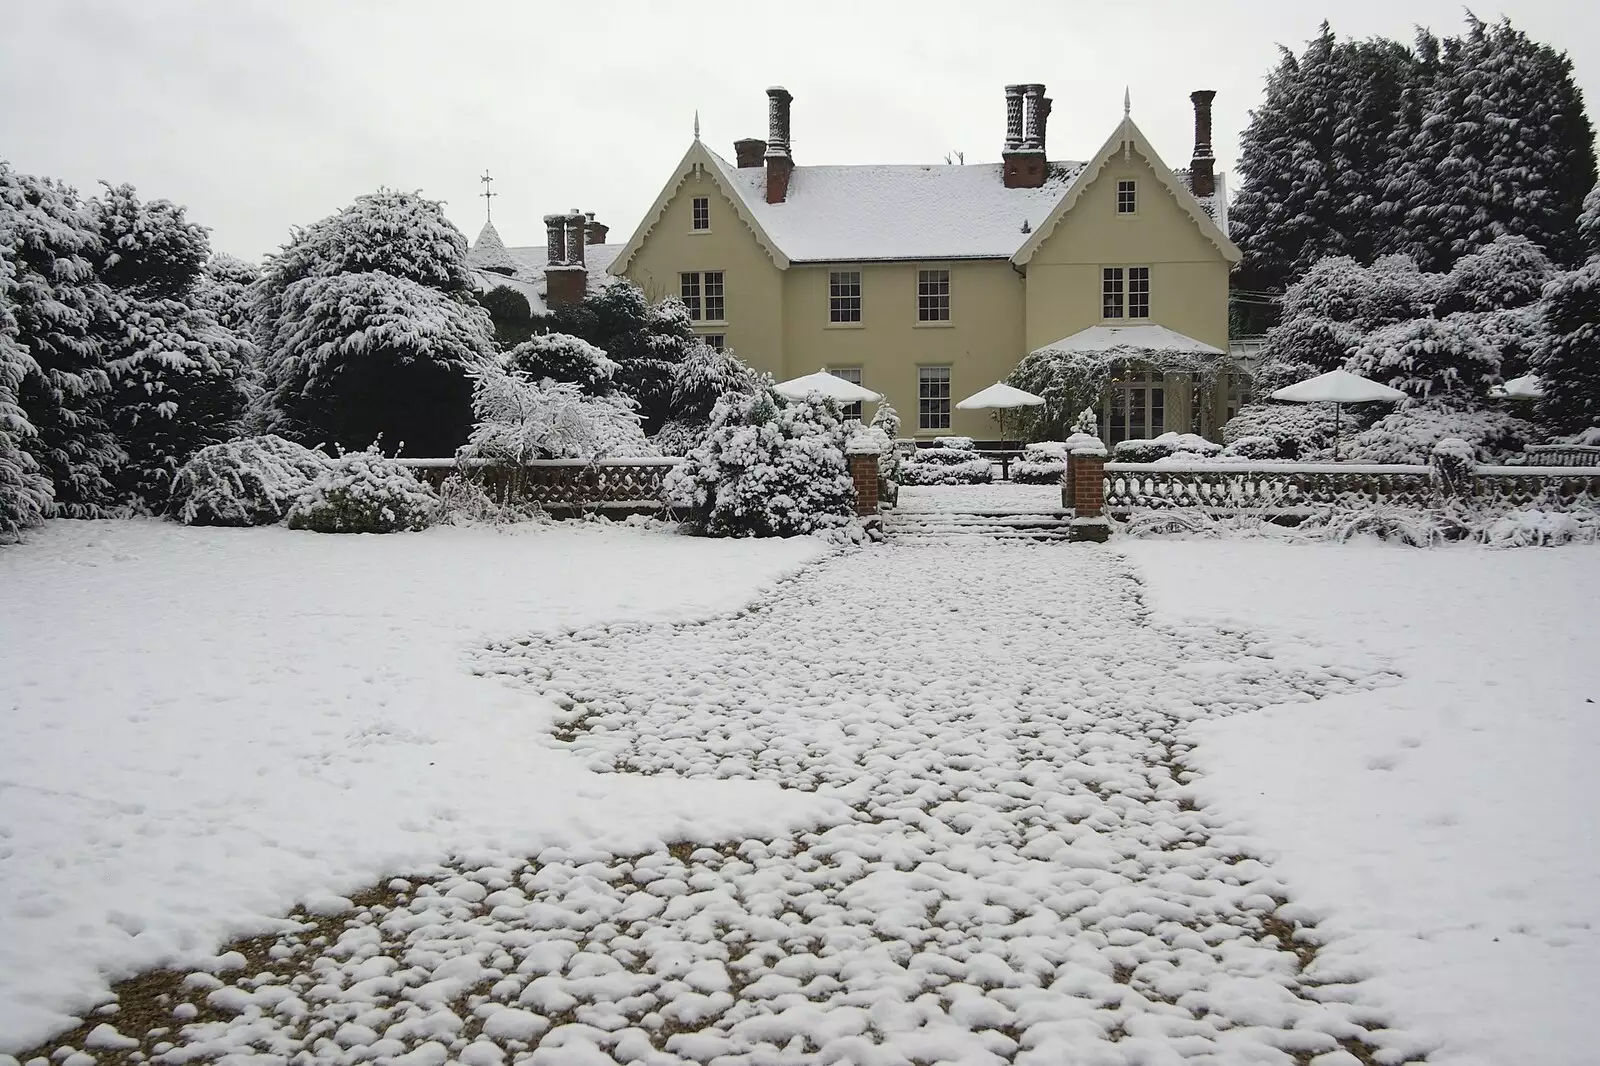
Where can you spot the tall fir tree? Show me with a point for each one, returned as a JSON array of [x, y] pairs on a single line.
[[180, 379], [1589, 223], [368, 329], [59, 306], [1565, 361], [1503, 146], [227, 287], [25, 493]]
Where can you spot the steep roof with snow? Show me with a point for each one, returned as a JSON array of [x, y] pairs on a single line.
[[528, 266], [860, 213]]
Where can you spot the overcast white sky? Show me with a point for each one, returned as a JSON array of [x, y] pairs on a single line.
[[263, 114]]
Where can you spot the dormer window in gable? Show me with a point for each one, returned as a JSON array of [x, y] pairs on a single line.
[[700, 209], [1127, 197]]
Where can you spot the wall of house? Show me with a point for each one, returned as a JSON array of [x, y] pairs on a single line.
[[981, 343], [753, 285]]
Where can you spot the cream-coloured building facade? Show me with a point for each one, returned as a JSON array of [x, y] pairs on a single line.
[[928, 283]]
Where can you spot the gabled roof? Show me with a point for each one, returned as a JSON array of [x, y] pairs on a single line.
[[1129, 138], [528, 266]]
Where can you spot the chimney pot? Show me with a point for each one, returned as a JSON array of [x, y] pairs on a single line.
[[1013, 117], [555, 241], [575, 237], [1024, 156], [1033, 129], [1202, 167], [748, 152], [594, 232], [779, 161]]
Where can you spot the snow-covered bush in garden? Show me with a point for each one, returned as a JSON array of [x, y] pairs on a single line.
[[364, 493], [564, 358], [705, 376], [1190, 445], [769, 467], [1566, 361], [1430, 359], [1412, 526], [1535, 527], [1039, 468], [519, 420], [1339, 290], [887, 419], [1508, 272], [1302, 431], [958, 444], [966, 469], [1087, 423], [1410, 434], [1252, 448], [248, 482]]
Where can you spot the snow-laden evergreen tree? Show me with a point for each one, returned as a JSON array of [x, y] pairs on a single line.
[[1504, 146], [647, 341], [1567, 361], [705, 377], [1589, 222], [368, 329], [1508, 272], [562, 357], [25, 493], [1362, 298], [227, 287], [510, 312], [1314, 158], [180, 379], [48, 238], [1445, 361]]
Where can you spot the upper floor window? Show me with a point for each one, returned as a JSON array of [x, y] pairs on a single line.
[[933, 296], [844, 297], [933, 397], [1127, 197], [702, 212], [1125, 292], [702, 294], [851, 374]]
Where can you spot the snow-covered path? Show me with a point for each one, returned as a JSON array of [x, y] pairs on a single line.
[[1026, 878]]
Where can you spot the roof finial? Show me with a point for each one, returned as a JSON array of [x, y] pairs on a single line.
[[697, 123], [488, 193], [1127, 102]]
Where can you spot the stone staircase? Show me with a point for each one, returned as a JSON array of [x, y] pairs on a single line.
[[1041, 525]]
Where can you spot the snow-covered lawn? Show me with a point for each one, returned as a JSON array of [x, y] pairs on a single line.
[[204, 725], [1444, 828]]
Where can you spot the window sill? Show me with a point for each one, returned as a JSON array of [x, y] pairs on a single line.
[[934, 325], [710, 323], [844, 325], [699, 232]]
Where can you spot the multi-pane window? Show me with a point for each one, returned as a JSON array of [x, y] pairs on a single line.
[[702, 212], [933, 397], [689, 292], [933, 296], [1125, 292], [716, 309], [1137, 405], [1111, 292], [844, 296], [851, 374], [702, 295], [1127, 198], [719, 341]]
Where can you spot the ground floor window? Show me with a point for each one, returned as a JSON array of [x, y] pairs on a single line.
[[719, 341], [933, 397], [1238, 394], [1136, 406], [851, 374]]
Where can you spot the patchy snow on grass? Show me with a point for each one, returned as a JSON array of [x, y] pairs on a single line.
[[1443, 828], [204, 726]]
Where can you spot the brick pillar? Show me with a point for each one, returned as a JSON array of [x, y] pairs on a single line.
[[864, 472], [1089, 493]]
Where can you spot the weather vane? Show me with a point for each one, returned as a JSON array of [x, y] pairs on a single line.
[[487, 193]]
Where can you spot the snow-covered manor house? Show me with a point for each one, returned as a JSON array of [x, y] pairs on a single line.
[[927, 283]]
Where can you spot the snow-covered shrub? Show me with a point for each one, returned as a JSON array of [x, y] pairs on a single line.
[[465, 500], [1453, 465], [1413, 526], [364, 493], [1566, 360], [1430, 359], [1170, 521], [564, 358], [1338, 290], [520, 420], [974, 470], [1509, 272], [1532, 528], [1250, 448], [887, 419], [1039, 469], [942, 456], [248, 482], [1162, 447], [959, 444], [1302, 431], [1410, 434], [769, 467], [1087, 423], [705, 376]]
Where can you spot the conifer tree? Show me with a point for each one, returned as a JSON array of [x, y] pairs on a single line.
[[25, 493], [50, 245], [1565, 361], [1589, 223]]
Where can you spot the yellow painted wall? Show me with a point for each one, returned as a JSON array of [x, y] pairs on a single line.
[[981, 344], [753, 284]]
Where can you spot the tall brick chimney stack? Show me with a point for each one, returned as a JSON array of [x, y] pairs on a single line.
[[565, 275], [1024, 154], [594, 232], [748, 152], [780, 164], [1202, 168]]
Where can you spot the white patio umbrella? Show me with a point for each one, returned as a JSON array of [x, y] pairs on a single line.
[[1000, 397], [1338, 387], [1527, 387], [830, 385]]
